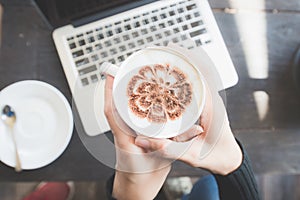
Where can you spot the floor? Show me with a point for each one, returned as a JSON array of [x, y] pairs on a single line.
[[84, 190], [271, 187], [262, 37]]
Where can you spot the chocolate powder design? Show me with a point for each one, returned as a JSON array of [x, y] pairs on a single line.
[[159, 93]]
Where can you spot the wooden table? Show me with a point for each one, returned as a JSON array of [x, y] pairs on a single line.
[[271, 29]]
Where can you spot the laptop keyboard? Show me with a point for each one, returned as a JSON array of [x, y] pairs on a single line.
[[179, 23]]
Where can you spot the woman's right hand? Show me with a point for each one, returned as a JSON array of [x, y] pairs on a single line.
[[223, 154]]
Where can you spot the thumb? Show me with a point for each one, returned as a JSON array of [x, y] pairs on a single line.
[[193, 132], [151, 144]]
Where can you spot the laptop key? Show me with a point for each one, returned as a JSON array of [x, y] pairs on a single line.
[[191, 7], [197, 23], [137, 24], [81, 42], [198, 32], [94, 57], [121, 58], [87, 70], [185, 27], [140, 42], [94, 78], [72, 45], [91, 39], [144, 31], [163, 16], [176, 30], [118, 22], [77, 53], [126, 37], [122, 48], [85, 81], [149, 39], [102, 76], [117, 40], [166, 42], [198, 42], [154, 18], [81, 62], [118, 30], [171, 13], [113, 61], [167, 33], [89, 49], [170, 22], [107, 43], [155, 11], [162, 25], [100, 36], [98, 46], [104, 54], [127, 27], [158, 36], [196, 14], [131, 45], [175, 40], [145, 21], [113, 51], [135, 34], [153, 28], [109, 33], [179, 20], [188, 17], [145, 14], [180, 10], [183, 37]]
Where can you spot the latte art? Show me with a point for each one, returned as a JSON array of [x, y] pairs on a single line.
[[159, 93]]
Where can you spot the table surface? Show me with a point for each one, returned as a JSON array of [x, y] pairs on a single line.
[[264, 112]]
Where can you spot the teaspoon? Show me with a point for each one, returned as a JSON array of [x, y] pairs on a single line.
[[9, 117]]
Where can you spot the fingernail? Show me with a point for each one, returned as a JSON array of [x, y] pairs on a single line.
[[200, 129], [141, 142]]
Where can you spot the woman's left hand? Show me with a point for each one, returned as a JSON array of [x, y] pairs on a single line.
[[139, 174]]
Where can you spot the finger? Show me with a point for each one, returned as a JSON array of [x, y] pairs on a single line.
[[151, 144], [108, 101], [164, 148], [123, 134], [189, 134], [206, 115]]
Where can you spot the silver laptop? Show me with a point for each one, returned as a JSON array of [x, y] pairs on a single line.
[[89, 32]]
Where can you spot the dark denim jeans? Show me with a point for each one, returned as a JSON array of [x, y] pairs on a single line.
[[205, 188]]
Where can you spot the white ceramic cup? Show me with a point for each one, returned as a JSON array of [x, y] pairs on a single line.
[[157, 92]]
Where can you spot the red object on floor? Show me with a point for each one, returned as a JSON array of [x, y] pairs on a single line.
[[50, 191]]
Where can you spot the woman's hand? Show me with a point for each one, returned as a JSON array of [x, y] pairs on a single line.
[[210, 145], [139, 174]]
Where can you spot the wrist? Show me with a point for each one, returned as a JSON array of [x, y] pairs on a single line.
[[124, 186], [137, 186], [231, 156], [231, 162]]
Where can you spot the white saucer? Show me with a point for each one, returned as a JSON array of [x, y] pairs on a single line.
[[44, 124]]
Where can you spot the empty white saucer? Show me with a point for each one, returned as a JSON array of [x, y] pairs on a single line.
[[44, 124]]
